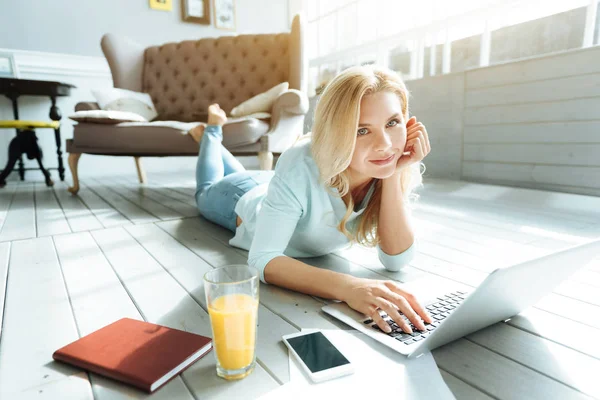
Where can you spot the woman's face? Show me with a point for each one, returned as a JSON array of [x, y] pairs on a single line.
[[380, 138]]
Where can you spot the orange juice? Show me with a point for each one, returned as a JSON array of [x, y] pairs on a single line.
[[233, 320]]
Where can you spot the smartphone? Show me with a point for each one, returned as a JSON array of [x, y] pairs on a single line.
[[319, 358]]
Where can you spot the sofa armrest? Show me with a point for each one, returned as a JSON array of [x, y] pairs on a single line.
[[287, 121], [87, 106], [291, 101]]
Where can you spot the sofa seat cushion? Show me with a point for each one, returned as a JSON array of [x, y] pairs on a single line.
[[160, 137]]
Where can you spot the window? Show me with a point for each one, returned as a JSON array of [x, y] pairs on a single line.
[[402, 33]]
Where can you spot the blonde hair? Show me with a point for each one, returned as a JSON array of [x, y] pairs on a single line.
[[334, 139]]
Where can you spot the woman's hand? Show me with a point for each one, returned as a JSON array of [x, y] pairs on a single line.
[[216, 116], [417, 144], [368, 296]]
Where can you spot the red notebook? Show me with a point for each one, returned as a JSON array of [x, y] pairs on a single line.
[[135, 352]]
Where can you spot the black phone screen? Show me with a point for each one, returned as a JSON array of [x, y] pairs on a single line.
[[317, 352]]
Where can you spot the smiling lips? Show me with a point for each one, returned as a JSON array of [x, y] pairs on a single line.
[[383, 161]]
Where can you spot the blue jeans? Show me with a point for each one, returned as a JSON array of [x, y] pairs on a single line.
[[221, 180]]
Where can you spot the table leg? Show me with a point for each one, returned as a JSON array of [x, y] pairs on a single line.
[[55, 115], [15, 150], [13, 99], [61, 168], [21, 168]]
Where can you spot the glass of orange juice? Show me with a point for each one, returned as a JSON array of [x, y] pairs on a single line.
[[232, 299]]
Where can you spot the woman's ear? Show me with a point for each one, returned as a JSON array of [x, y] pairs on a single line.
[[411, 121]]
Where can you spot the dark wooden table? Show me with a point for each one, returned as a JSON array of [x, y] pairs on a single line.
[[14, 88]]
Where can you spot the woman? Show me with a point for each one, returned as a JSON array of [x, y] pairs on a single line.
[[350, 183]]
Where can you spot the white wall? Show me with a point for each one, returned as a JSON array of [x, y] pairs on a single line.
[[76, 26], [531, 123], [61, 59], [438, 103], [535, 123]]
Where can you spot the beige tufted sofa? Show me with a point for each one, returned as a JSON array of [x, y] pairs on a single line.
[[183, 79]]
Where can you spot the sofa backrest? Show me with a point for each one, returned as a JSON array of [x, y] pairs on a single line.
[[184, 78]]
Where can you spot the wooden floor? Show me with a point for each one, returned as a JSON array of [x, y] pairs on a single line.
[[70, 265]]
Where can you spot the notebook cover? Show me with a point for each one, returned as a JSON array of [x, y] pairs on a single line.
[[135, 352]]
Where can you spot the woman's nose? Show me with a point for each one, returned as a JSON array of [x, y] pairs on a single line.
[[384, 141]]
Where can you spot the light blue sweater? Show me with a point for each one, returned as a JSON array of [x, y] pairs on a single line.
[[296, 216]]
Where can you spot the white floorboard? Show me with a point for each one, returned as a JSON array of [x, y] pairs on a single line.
[[497, 375], [6, 197], [78, 215], [130, 210], [38, 320], [98, 299], [20, 218], [50, 217], [140, 250], [4, 255], [162, 300], [188, 270], [104, 212]]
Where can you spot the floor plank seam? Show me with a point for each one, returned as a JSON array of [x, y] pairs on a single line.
[[64, 282], [5, 289], [62, 210], [467, 383], [10, 202], [524, 365], [35, 214], [550, 339], [86, 206], [548, 214], [283, 317], [109, 189], [94, 190], [186, 291], [164, 205], [118, 276], [142, 206], [92, 210], [268, 371], [476, 222]]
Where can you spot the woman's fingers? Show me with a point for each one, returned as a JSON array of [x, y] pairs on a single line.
[[380, 322], [412, 301], [406, 309], [420, 310], [419, 130], [387, 305], [417, 150], [411, 121], [395, 315]]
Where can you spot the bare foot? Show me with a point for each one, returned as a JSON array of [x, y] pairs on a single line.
[[197, 132], [216, 115]]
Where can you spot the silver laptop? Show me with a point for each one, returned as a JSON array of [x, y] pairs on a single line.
[[503, 294]]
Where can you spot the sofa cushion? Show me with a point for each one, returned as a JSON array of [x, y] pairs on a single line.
[[106, 117], [262, 102], [115, 99], [161, 137]]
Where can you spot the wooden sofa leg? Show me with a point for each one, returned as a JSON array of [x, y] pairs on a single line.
[[265, 160], [73, 162], [140, 170]]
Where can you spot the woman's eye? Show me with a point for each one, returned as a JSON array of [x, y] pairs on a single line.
[[393, 122], [362, 131]]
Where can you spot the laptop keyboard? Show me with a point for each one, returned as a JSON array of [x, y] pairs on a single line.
[[438, 311]]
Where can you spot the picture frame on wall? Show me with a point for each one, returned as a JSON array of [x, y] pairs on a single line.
[[224, 14], [163, 5], [197, 11]]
